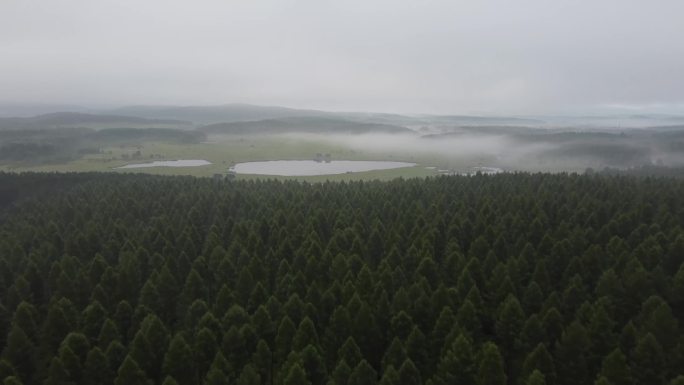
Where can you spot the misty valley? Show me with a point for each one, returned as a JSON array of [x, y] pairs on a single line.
[[385, 192], [256, 245], [146, 139], [313, 167]]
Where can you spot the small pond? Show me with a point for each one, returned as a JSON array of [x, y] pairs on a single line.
[[169, 163], [312, 167]]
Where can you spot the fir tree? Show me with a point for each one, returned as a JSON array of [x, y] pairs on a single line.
[[178, 361], [296, 376], [491, 367], [536, 378], [130, 374], [96, 369]]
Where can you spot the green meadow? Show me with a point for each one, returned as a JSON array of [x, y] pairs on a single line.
[[225, 151]]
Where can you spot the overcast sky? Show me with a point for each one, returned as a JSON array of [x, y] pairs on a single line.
[[452, 56]]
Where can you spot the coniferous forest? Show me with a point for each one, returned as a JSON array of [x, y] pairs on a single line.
[[520, 279]]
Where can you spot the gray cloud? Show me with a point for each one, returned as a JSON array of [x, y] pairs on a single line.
[[497, 56]]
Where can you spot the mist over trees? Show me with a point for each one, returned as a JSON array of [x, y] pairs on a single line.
[[506, 279], [341, 192], [453, 142]]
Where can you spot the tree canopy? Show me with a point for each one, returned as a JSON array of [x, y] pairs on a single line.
[[505, 279]]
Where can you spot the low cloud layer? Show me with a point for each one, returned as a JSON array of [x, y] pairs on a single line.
[[435, 56], [465, 150], [530, 149]]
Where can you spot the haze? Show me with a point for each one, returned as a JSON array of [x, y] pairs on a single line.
[[493, 57]]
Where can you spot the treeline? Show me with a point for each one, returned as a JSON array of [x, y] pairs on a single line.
[[312, 125], [647, 170], [64, 144], [16, 187], [509, 279]]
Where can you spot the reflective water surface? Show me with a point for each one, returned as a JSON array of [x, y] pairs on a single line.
[[311, 167], [169, 163]]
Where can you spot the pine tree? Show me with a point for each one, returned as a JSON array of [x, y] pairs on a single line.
[[72, 363], [441, 330], [178, 361], [340, 376], [115, 354], [350, 352], [363, 374], [390, 376], [6, 369], [662, 324], [204, 349], [532, 334], [571, 354], [417, 350], [263, 360], [533, 298], [628, 337], [402, 324], [234, 347], [123, 317], [263, 324], [457, 365], [366, 332], [283, 340], [108, 333], [540, 359], [491, 367], [194, 288], [217, 374], [553, 325], [409, 374], [57, 374], [19, 352], [56, 326], [509, 326], [296, 376], [395, 355], [536, 378], [467, 317], [647, 366], [249, 376], [615, 368], [130, 374], [600, 331], [244, 286], [92, 319], [215, 377], [149, 345], [96, 369], [25, 317], [305, 335], [5, 322], [314, 365], [167, 286]]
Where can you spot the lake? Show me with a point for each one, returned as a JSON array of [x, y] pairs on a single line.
[[169, 163], [311, 167]]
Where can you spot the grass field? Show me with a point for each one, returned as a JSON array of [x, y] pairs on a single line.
[[225, 151]]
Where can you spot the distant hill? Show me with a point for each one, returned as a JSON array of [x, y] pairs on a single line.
[[238, 112], [302, 124], [76, 119], [215, 114], [483, 120], [18, 110]]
